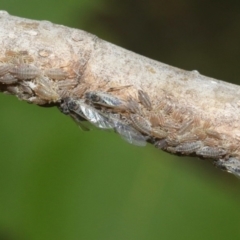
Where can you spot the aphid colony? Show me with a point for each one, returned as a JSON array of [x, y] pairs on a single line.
[[21, 77], [134, 119], [106, 111]]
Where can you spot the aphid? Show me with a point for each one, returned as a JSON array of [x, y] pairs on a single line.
[[56, 73], [232, 165], [25, 71], [185, 127], [144, 99], [141, 124], [211, 152], [188, 148], [8, 79], [67, 84], [158, 133], [133, 106], [63, 107], [161, 144], [213, 134], [156, 120], [44, 89], [89, 113], [188, 137], [4, 68], [104, 99]]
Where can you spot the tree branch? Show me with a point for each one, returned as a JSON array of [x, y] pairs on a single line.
[[181, 112]]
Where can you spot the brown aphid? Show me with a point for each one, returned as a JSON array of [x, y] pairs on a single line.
[[56, 73], [177, 116], [44, 89], [8, 79], [200, 133], [156, 120], [144, 99], [210, 142], [170, 126], [188, 148], [141, 124], [25, 71], [212, 133], [133, 106], [67, 84], [185, 126], [37, 101], [172, 140], [158, 133], [188, 137], [211, 152], [4, 68]]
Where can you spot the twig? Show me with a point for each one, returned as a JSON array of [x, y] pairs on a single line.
[[181, 112]]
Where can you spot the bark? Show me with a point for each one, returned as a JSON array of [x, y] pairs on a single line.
[[181, 112]]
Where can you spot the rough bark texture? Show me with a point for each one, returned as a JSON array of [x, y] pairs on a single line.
[[143, 100]]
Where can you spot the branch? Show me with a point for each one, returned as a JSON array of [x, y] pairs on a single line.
[[181, 112]]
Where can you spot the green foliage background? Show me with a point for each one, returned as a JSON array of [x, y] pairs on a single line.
[[57, 182]]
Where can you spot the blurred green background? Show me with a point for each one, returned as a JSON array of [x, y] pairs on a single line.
[[57, 182]]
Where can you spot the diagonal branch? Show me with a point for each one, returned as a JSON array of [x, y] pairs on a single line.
[[181, 112]]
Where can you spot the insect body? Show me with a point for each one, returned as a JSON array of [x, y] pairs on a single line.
[[89, 113], [104, 99], [232, 165], [25, 71], [4, 68], [8, 79], [126, 131], [187, 148], [144, 99], [56, 73], [211, 152], [141, 124]]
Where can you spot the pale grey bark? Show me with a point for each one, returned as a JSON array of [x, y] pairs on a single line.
[[186, 113]]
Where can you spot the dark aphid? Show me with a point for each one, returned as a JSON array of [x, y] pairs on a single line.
[[189, 147], [89, 113], [211, 152], [144, 99], [161, 144], [104, 99], [141, 124], [25, 71], [56, 73], [231, 165]]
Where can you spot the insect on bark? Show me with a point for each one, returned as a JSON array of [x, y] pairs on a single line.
[[25, 71], [141, 124], [104, 99], [89, 113], [211, 152], [188, 148], [56, 73], [144, 99]]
